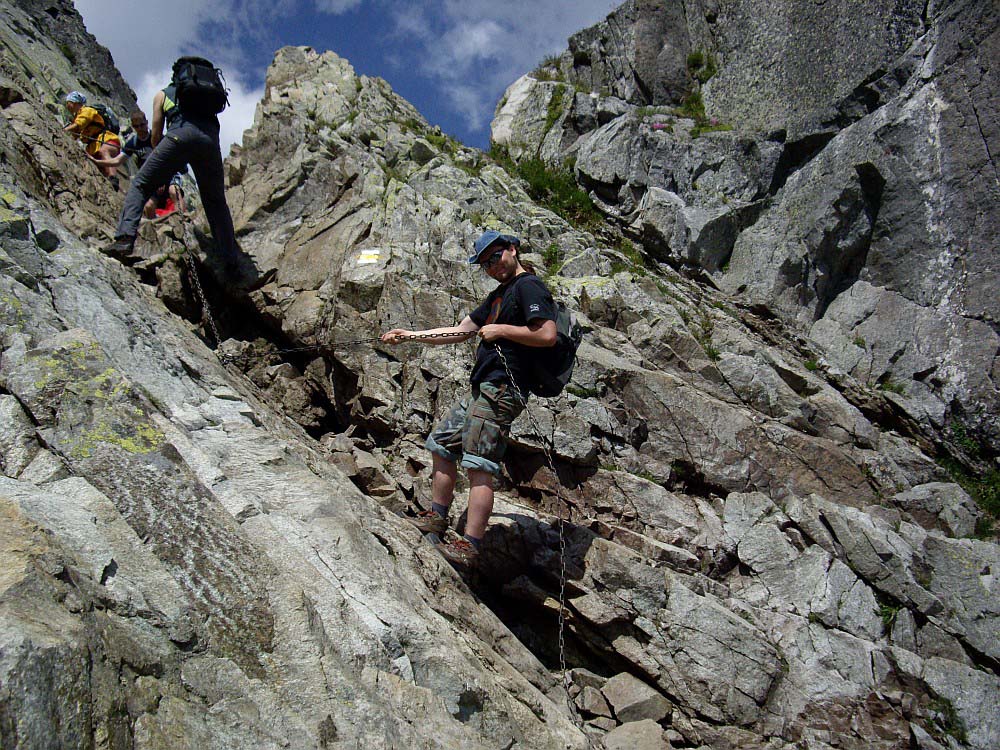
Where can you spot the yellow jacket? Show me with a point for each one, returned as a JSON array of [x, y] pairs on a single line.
[[89, 125]]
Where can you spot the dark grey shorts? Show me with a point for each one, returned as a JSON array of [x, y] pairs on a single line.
[[474, 432]]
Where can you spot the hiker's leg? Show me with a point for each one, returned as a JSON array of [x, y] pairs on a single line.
[[445, 474], [480, 503], [177, 195], [167, 158], [108, 151], [445, 445], [208, 171]]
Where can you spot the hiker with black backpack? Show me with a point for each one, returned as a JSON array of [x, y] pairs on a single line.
[[189, 109], [98, 130], [517, 319]]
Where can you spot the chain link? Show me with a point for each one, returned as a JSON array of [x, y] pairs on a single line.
[[342, 344], [206, 310], [564, 673]]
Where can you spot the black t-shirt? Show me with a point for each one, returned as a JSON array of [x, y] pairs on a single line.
[[139, 148], [518, 302]]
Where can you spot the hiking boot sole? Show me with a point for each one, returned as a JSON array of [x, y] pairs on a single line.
[[459, 558]]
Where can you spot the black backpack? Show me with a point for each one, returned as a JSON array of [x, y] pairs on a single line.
[[200, 86], [552, 368], [111, 122]]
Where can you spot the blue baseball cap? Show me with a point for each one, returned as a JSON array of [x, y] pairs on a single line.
[[76, 96], [491, 237]]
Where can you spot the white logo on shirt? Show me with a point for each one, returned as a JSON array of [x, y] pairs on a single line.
[[534, 308]]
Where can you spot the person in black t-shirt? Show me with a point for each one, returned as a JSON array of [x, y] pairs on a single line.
[[516, 317]]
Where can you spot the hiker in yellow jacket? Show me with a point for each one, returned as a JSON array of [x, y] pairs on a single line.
[[89, 126]]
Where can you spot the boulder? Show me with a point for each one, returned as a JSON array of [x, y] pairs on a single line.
[[633, 700], [645, 734]]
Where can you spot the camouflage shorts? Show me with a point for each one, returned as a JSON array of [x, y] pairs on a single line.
[[475, 430]]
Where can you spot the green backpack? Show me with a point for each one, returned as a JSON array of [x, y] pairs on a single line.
[[551, 369], [111, 123]]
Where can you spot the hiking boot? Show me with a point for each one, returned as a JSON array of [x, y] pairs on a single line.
[[429, 522], [121, 248], [460, 552]]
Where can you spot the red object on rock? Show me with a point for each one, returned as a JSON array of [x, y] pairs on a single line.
[[168, 208]]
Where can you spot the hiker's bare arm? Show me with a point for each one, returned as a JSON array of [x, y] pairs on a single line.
[[538, 333], [467, 327], [114, 161], [156, 130]]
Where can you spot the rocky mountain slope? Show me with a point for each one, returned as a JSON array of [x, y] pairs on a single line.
[[834, 162], [201, 548]]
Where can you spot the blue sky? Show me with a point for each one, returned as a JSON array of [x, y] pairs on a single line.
[[451, 58]]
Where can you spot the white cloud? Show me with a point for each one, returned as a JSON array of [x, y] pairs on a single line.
[[336, 6], [470, 42], [473, 49], [238, 116]]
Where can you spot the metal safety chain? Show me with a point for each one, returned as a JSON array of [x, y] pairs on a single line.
[[373, 340], [562, 546], [206, 310]]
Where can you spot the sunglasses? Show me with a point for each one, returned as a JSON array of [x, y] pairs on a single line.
[[492, 260]]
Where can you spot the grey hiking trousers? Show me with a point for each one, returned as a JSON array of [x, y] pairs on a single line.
[[185, 144]]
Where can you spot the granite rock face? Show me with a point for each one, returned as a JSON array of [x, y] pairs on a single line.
[[851, 192], [202, 548]]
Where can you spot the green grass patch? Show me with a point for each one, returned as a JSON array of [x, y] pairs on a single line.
[[984, 489], [965, 441], [947, 721], [555, 108], [556, 189], [411, 125], [812, 365], [888, 613], [693, 108], [703, 335], [634, 262], [583, 392], [439, 141], [68, 52], [892, 386], [552, 256], [548, 70], [709, 127], [630, 251], [702, 65], [860, 342]]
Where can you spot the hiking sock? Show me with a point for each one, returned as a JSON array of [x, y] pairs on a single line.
[[473, 541], [441, 510]]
